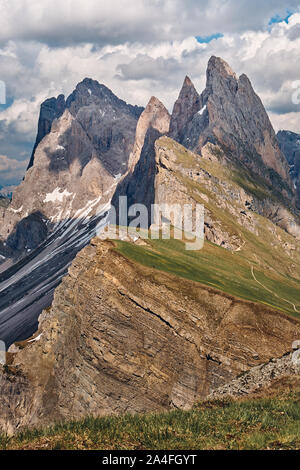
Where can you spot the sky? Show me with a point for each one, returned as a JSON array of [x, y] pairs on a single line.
[[139, 48]]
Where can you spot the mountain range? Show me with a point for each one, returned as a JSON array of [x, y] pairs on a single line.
[[96, 326]]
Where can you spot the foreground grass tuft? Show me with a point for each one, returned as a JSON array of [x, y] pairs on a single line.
[[261, 423]]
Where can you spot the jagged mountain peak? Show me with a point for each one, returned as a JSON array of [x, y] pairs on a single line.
[[90, 91], [82, 147], [229, 113], [155, 108], [220, 66], [186, 106], [155, 116], [51, 102], [51, 109], [288, 134], [187, 82], [91, 87]]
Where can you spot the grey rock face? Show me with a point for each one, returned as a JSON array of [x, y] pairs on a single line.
[[82, 145], [93, 147], [109, 123], [259, 377], [138, 185], [4, 201], [82, 151], [187, 105], [230, 114], [290, 145], [51, 109]]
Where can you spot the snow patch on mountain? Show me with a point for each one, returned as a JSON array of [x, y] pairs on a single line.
[[16, 211], [57, 195], [202, 110]]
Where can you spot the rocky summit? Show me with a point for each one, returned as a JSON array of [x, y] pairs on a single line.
[[100, 320], [82, 149], [229, 113], [83, 145]]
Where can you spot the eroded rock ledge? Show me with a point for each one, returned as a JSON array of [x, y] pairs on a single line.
[[121, 337]]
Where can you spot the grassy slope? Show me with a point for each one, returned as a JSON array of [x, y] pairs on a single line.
[[263, 423], [216, 267], [220, 268], [260, 423]]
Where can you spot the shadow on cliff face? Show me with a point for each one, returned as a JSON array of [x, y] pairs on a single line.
[[27, 287], [29, 233], [111, 148], [95, 133], [139, 186], [26, 236]]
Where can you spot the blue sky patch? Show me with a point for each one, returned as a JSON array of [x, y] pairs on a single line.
[[280, 19], [9, 102], [207, 39]]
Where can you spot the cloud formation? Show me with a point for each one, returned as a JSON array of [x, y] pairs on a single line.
[[10, 169], [69, 22], [140, 49]]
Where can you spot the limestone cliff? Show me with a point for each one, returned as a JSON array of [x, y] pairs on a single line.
[[229, 113], [181, 177], [82, 149], [121, 337], [261, 378]]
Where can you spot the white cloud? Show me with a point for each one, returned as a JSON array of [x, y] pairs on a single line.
[[156, 68], [57, 23], [21, 117], [289, 121], [139, 49], [11, 169]]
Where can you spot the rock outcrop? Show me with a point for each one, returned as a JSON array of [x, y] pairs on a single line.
[[261, 377], [51, 109], [110, 344], [229, 113], [187, 105], [82, 147], [181, 177], [155, 116], [138, 185]]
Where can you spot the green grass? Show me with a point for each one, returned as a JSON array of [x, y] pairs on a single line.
[[215, 267], [276, 268], [268, 423]]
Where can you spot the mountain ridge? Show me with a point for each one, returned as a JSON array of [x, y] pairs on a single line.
[[229, 113], [213, 313], [126, 349]]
